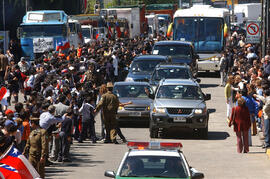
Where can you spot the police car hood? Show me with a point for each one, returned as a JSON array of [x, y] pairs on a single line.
[[176, 103]]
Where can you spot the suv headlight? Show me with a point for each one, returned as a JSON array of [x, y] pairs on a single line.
[[120, 108], [129, 79], [200, 111], [159, 110]]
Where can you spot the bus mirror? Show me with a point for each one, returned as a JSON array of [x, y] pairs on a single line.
[[19, 32]]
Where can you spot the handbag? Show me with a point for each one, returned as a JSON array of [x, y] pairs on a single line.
[[233, 119]]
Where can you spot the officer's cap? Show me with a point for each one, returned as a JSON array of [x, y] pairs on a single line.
[[109, 85]]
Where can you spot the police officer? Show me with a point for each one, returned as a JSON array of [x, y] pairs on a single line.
[[109, 102], [36, 147]]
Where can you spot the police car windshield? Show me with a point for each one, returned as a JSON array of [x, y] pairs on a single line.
[[180, 92], [170, 73], [154, 166]]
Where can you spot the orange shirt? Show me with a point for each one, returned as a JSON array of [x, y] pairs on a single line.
[[26, 130]]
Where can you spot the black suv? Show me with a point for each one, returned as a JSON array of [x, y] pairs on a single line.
[[179, 51]]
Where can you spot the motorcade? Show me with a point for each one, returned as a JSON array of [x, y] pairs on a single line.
[[142, 67], [44, 30], [138, 93], [179, 52], [179, 104], [149, 160], [207, 28], [170, 71]]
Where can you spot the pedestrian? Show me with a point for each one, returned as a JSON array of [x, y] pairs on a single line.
[[109, 103], [65, 137], [266, 115], [88, 122], [102, 91], [240, 119], [229, 96], [3, 66], [36, 147], [223, 64]]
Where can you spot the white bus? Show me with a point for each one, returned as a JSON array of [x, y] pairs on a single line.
[[206, 27]]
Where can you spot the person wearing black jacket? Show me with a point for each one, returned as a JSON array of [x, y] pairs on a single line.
[[65, 137]]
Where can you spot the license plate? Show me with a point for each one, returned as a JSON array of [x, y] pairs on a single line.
[[179, 119], [135, 114]]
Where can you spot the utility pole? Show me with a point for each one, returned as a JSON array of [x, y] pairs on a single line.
[[4, 26], [180, 4], [232, 10]]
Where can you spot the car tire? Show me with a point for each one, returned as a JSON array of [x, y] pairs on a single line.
[[203, 132], [153, 133]]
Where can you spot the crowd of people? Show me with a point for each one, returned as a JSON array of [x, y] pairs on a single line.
[[62, 92], [245, 76]]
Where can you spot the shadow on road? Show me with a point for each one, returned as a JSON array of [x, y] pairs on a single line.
[[133, 125], [208, 85], [212, 110], [78, 160], [212, 135], [209, 74]]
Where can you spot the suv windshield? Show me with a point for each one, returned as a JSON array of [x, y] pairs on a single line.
[[180, 92], [144, 66], [173, 50], [131, 91], [154, 166], [170, 73]]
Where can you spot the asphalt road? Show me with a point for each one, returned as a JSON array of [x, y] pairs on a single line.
[[216, 157]]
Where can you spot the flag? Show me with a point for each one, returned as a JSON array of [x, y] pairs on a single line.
[[62, 45], [15, 165], [109, 31], [83, 77], [3, 92], [97, 35], [117, 27]]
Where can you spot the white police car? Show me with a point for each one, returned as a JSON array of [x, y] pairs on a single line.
[[151, 160]]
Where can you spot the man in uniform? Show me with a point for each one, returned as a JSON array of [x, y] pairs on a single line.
[[109, 102], [36, 147]]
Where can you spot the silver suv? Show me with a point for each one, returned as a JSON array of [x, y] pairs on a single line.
[[179, 104]]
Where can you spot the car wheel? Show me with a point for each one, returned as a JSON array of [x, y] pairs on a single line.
[[203, 132], [153, 133]]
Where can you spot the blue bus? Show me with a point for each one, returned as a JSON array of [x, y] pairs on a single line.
[[42, 30]]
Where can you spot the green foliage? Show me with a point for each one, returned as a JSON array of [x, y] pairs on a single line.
[[161, 2]]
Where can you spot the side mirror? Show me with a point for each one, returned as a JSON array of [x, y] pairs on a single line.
[[110, 174], [19, 32], [195, 174], [196, 56], [146, 79], [198, 80], [207, 97]]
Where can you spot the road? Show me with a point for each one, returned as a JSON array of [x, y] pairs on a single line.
[[215, 157]]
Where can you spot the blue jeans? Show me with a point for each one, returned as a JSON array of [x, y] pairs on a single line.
[[266, 133]]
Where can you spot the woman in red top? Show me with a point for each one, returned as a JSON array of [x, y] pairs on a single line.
[[241, 122]]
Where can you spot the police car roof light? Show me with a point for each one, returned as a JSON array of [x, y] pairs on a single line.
[[155, 145]]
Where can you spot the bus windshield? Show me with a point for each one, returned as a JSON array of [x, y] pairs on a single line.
[[86, 32], [43, 30], [205, 32]]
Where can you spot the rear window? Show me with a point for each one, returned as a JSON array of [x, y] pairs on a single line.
[[144, 66], [173, 50]]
